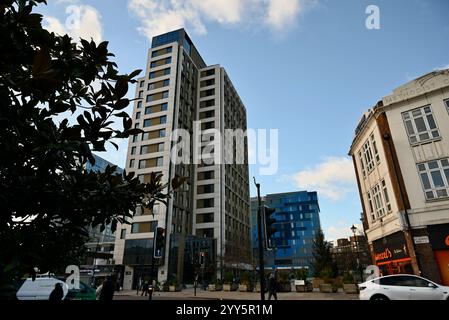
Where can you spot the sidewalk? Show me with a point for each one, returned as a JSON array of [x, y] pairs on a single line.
[[188, 294]]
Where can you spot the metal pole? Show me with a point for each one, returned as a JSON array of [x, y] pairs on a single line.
[[151, 288], [259, 234], [359, 262]]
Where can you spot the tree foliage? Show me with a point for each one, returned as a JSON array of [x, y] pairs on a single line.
[[47, 198], [323, 265]]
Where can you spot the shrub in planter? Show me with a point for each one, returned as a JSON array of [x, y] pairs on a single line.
[[349, 285], [228, 281], [216, 285], [245, 284]]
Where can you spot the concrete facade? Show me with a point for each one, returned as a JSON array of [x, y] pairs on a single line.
[[401, 158], [179, 91]]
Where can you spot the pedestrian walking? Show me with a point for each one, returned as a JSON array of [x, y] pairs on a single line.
[[145, 288], [272, 287], [139, 285], [57, 293], [98, 291], [107, 290]]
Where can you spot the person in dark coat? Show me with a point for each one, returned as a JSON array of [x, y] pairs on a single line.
[[107, 290], [145, 288], [272, 287], [57, 293]]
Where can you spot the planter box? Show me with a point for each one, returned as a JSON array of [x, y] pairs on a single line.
[[230, 287], [215, 287], [350, 288], [285, 287], [175, 288], [317, 282], [326, 288], [245, 288], [304, 288]]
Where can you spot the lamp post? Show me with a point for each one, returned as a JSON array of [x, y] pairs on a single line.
[[359, 263]]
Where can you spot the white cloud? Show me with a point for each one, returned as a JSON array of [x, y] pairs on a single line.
[[160, 16], [332, 178], [82, 21], [341, 231], [282, 13]]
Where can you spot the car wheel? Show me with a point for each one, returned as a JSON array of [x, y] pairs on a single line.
[[379, 297]]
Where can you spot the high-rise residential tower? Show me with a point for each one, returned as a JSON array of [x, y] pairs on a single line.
[[181, 97]]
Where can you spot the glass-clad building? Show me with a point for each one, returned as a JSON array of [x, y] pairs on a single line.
[[298, 220]]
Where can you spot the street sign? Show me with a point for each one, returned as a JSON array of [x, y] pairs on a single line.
[[421, 240]]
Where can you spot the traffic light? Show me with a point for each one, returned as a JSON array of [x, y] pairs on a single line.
[[202, 258], [159, 242], [269, 228]]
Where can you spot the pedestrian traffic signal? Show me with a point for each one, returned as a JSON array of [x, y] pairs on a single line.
[[159, 243], [269, 228], [202, 258]]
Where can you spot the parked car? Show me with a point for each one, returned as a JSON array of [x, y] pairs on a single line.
[[40, 288], [85, 292], [402, 287]]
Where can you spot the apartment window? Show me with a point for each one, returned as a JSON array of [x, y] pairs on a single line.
[[205, 203], [206, 73], [207, 103], [147, 122], [368, 156], [376, 152], [141, 227], [163, 119], [133, 150], [139, 104], [122, 234], [420, 125], [165, 95], [362, 164], [166, 82], [386, 196], [207, 125], [162, 133], [205, 217], [135, 138], [207, 93], [140, 94], [142, 83], [131, 163], [378, 202], [206, 175], [435, 178], [137, 115], [208, 188], [160, 73], [447, 105]]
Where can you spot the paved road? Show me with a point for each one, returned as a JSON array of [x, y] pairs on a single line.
[[188, 294]]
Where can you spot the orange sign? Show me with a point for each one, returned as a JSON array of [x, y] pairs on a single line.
[[383, 255], [447, 241]]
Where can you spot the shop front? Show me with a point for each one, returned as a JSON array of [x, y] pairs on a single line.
[[439, 239], [391, 255]]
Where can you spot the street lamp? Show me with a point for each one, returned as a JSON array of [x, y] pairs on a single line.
[[359, 263]]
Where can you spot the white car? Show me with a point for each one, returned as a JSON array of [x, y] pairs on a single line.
[[40, 288], [402, 287]]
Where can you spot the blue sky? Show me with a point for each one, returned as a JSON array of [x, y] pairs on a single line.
[[309, 68]]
